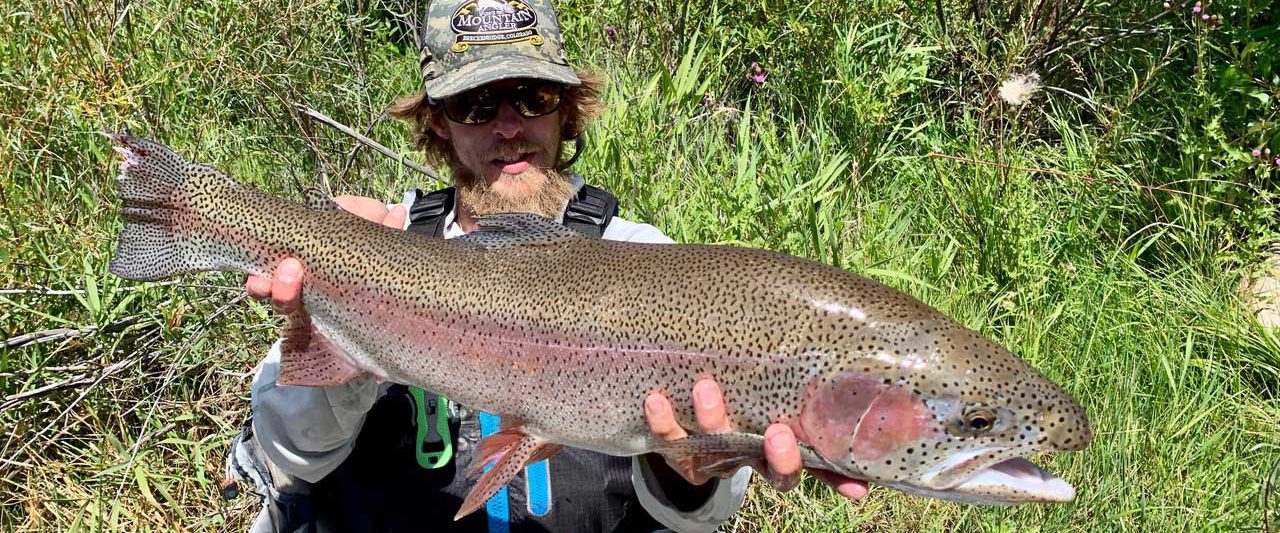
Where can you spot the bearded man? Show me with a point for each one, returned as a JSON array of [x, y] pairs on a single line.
[[499, 102]]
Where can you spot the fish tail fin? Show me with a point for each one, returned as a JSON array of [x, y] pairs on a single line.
[[161, 192]]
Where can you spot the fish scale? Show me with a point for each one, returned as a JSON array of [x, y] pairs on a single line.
[[564, 336]]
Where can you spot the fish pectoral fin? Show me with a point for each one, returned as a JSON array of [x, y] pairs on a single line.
[[518, 229], [508, 451], [723, 454], [727, 464], [309, 358], [715, 454]]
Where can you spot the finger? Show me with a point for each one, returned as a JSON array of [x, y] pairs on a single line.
[[258, 287], [395, 217], [850, 488], [363, 207], [286, 286], [661, 419], [782, 456], [708, 407]]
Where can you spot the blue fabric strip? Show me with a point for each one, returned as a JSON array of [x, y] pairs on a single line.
[[496, 507], [537, 478]]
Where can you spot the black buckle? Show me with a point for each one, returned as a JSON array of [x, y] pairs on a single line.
[[591, 211]]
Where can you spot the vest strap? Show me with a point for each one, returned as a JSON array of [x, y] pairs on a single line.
[[427, 214], [590, 211]]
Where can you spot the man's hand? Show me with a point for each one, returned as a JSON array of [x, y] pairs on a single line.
[[782, 454], [285, 288]]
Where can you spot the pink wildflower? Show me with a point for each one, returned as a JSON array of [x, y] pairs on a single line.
[[757, 74]]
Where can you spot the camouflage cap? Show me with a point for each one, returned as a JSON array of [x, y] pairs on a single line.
[[467, 43]]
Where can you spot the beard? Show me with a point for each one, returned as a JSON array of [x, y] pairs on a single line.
[[522, 196]]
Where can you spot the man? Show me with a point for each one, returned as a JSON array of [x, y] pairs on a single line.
[[499, 102]]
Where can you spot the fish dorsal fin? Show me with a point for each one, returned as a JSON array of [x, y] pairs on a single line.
[[514, 229], [319, 200]]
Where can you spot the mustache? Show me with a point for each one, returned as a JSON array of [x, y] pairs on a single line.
[[510, 148]]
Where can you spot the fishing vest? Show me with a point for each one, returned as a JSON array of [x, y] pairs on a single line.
[[407, 471]]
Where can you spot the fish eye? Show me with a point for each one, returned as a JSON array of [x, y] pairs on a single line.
[[978, 420]]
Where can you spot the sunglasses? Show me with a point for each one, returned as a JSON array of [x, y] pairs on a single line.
[[529, 98]]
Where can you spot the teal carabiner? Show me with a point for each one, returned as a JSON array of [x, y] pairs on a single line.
[[442, 451]]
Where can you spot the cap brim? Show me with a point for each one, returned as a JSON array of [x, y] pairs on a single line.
[[492, 69]]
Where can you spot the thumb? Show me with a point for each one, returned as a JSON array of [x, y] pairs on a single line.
[[395, 217]]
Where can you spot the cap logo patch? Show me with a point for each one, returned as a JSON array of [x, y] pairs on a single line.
[[494, 22]]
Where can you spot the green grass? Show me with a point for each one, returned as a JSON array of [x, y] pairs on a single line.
[[1099, 232]]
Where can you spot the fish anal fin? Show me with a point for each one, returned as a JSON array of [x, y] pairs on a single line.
[[509, 453], [497, 446], [494, 447], [309, 358], [544, 453]]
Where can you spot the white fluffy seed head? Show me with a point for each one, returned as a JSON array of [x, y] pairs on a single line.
[[1019, 89]]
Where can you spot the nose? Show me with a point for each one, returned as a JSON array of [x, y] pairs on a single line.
[[508, 124]]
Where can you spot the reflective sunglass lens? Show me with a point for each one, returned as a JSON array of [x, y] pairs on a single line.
[[472, 107], [478, 106], [536, 100]]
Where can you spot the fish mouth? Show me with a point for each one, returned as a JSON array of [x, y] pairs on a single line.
[[1016, 480], [983, 476]]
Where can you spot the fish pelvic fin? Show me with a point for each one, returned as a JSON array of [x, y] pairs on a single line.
[[309, 358], [508, 451], [160, 193]]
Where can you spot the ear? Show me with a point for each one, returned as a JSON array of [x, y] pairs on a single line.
[[438, 125]]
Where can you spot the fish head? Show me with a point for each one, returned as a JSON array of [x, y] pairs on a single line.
[[945, 414]]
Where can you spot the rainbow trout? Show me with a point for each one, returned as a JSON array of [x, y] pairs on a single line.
[[564, 336]]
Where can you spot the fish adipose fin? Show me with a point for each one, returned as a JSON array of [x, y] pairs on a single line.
[[524, 229], [309, 358], [508, 451], [160, 192]]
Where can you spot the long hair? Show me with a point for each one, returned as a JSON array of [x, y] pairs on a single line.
[[580, 103]]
